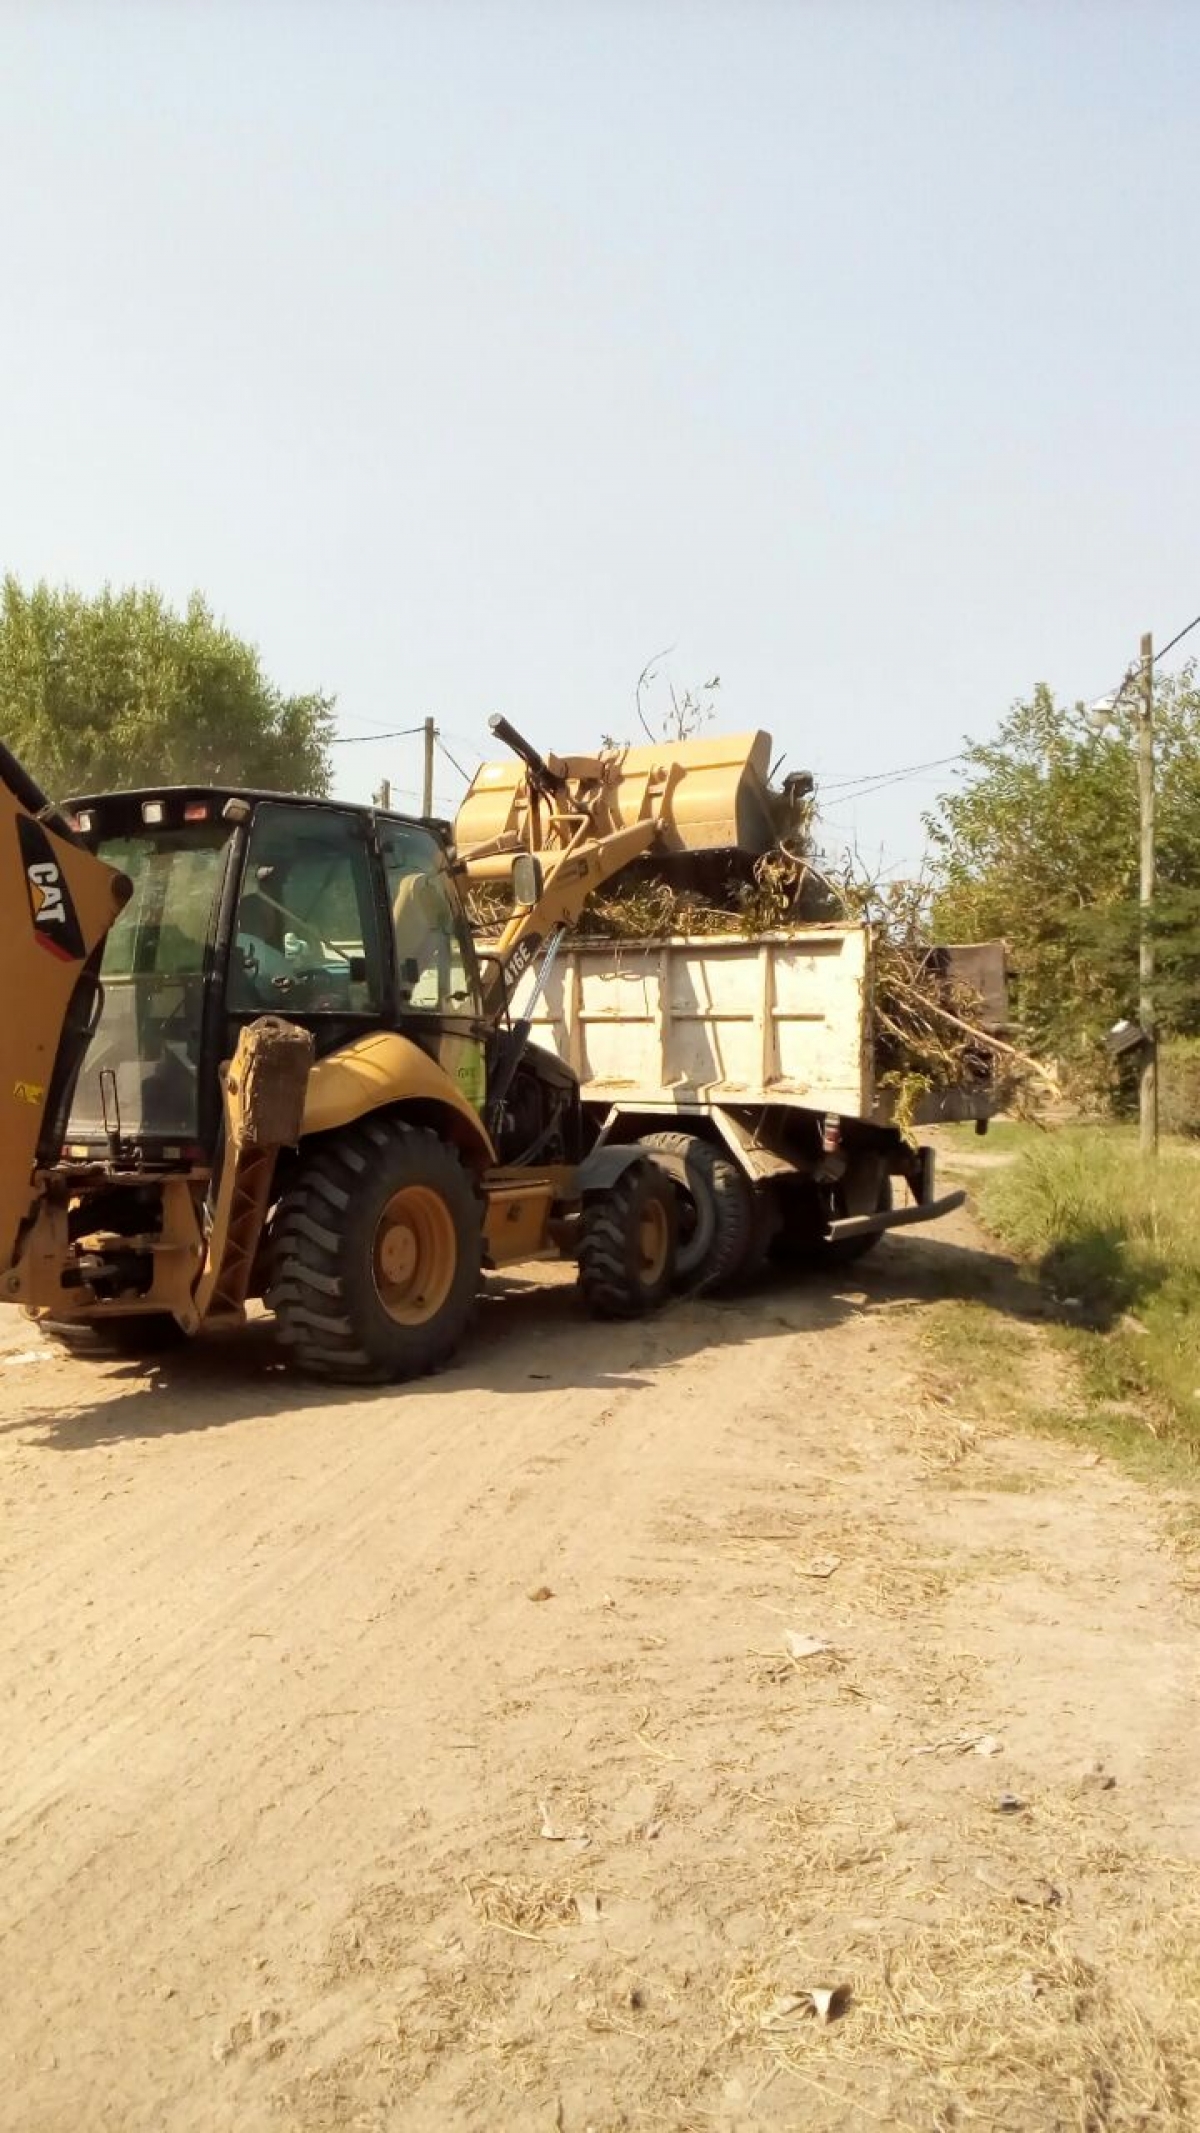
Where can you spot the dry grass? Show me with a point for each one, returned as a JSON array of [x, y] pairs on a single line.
[[995, 2018], [1117, 1239], [1024, 1965], [990, 1983], [1026, 1971], [532, 1910]]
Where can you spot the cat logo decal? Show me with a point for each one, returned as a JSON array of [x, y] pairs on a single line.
[[55, 924]]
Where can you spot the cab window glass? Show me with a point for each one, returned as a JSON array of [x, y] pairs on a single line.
[[306, 940], [151, 1013], [432, 970], [164, 928]]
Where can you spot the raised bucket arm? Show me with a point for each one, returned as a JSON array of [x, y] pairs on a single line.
[[57, 903], [711, 794], [585, 818]]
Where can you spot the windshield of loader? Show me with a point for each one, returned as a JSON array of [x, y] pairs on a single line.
[[153, 977], [306, 939]]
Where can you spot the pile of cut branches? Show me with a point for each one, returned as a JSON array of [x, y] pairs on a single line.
[[932, 1031]]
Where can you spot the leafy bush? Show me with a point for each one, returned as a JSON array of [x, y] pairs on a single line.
[[1179, 1086], [1037, 844], [1119, 1235]]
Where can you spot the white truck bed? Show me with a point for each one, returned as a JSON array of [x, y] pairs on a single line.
[[781, 1019]]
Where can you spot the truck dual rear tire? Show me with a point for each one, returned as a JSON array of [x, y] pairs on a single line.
[[719, 1218], [627, 1244], [375, 1255]]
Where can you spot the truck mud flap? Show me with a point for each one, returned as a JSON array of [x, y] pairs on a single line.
[[600, 1170]]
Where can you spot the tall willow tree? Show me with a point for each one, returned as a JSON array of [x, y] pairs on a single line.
[[122, 689]]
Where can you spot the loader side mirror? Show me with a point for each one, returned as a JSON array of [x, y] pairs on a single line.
[[527, 880]]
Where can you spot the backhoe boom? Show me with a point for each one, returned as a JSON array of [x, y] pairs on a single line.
[[57, 903]]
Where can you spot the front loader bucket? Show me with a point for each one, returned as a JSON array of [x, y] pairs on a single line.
[[707, 795], [57, 903]]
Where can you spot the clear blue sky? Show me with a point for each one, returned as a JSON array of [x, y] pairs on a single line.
[[465, 355]]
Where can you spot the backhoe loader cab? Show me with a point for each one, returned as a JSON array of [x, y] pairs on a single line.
[[251, 904], [270, 1067]]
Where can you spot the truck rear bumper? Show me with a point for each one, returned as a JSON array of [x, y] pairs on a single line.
[[926, 1206], [894, 1217]]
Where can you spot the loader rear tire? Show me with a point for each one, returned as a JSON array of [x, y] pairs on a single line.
[[627, 1244], [716, 1211], [375, 1255]]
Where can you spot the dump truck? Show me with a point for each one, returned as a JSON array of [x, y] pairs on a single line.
[[750, 1069], [250, 1051]]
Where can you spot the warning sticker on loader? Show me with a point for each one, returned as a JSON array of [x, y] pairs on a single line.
[[55, 923]]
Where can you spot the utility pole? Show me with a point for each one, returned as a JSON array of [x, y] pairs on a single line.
[[1148, 1071], [383, 798], [427, 790]]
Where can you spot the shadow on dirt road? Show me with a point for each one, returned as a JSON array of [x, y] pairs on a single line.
[[531, 1337]]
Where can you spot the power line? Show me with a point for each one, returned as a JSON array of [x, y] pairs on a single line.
[[395, 733], [1132, 671], [870, 786], [888, 777], [451, 759], [463, 740], [1177, 639], [857, 787], [359, 718]]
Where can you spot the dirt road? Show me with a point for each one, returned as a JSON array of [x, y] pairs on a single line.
[[520, 1750]]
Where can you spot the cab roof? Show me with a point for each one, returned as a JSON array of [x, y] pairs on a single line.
[[176, 798]]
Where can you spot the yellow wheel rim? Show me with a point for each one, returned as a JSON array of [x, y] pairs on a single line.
[[654, 1241], [415, 1255]]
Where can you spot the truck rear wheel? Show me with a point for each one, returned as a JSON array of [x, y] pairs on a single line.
[[800, 1240], [844, 1251], [627, 1244], [716, 1209], [375, 1255]]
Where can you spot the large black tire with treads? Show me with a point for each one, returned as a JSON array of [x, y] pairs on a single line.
[[375, 1255], [107, 1339], [627, 1244], [717, 1210]]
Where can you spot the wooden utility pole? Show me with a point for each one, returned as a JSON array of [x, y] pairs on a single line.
[[427, 789], [1148, 1075]]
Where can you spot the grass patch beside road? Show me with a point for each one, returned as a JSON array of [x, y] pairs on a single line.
[[1116, 1240]]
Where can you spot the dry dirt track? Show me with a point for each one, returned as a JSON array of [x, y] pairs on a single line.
[[284, 1720]]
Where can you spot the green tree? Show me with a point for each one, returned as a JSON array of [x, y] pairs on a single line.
[[1039, 844], [123, 690]]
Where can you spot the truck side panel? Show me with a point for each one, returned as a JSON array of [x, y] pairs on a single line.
[[721, 1020]]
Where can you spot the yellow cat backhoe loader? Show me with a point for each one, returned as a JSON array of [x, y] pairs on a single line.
[[248, 1050]]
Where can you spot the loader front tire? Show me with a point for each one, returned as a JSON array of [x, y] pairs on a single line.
[[375, 1255], [716, 1213], [627, 1244]]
